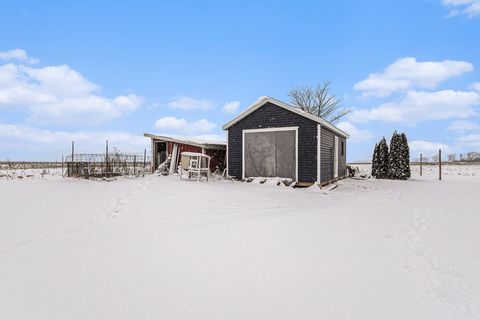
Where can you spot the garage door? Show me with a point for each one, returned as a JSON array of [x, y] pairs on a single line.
[[270, 153]]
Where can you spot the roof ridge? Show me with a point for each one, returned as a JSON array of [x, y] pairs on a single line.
[[262, 100]]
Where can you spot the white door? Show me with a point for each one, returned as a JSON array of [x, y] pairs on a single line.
[[335, 158]]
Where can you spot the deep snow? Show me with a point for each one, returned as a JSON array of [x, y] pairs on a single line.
[[161, 248]]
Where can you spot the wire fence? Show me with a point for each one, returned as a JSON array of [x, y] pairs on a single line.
[[107, 165], [102, 157]]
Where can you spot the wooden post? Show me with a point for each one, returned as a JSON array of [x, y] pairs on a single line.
[[69, 170], [421, 160], [134, 163], [106, 158], [208, 168], [199, 164], [440, 164], [144, 159], [62, 164]]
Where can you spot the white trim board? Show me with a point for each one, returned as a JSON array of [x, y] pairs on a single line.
[[154, 154], [335, 158], [226, 157], [319, 154], [270, 130], [193, 142], [263, 100]]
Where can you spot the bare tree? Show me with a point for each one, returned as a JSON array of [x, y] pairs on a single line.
[[319, 101]]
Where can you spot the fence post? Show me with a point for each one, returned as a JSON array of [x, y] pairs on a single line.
[[62, 164], [106, 159], [69, 170], [144, 159], [440, 164], [134, 163], [421, 160]]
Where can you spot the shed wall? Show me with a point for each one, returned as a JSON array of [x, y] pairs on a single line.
[[271, 116], [327, 155]]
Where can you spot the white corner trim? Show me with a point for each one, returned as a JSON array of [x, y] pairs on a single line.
[[319, 154], [336, 159], [296, 154], [226, 155], [270, 130], [154, 153], [243, 154]]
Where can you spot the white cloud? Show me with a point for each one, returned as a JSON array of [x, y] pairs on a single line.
[[39, 144], [90, 110], [471, 8], [428, 148], [406, 74], [60, 81], [171, 123], [186, 103], [471, 141], [475, 86], [354, 132], [59, 95], [464, 125], [417, 106], [182, 126], [201, 126], [17, 55], [231, 107]]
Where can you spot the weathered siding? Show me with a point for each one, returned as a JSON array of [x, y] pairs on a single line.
[[327, 159], [326, 156], [271, 116], [217, 160]]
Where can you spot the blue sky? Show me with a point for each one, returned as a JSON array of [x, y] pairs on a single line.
[[90, 71]]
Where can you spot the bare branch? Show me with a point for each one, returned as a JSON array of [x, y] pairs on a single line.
[[319, 101]]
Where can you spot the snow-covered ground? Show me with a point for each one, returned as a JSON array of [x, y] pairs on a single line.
[[8, 174], [161, 248], [432, 170]]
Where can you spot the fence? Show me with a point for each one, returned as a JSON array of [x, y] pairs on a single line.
[[107, 165]]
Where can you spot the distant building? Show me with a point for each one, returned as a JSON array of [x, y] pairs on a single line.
[[472, 156]]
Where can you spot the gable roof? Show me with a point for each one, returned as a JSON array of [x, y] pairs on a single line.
[[263, 100]]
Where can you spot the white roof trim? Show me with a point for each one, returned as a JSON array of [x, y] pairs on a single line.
[[193, 142], [263, 100]]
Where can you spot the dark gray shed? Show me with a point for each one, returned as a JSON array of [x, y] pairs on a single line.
[[273, 139]]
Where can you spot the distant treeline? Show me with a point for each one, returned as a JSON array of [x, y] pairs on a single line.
[[22, 165]]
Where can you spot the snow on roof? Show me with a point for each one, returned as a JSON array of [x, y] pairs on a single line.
[[264, 99], [186, 140]]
